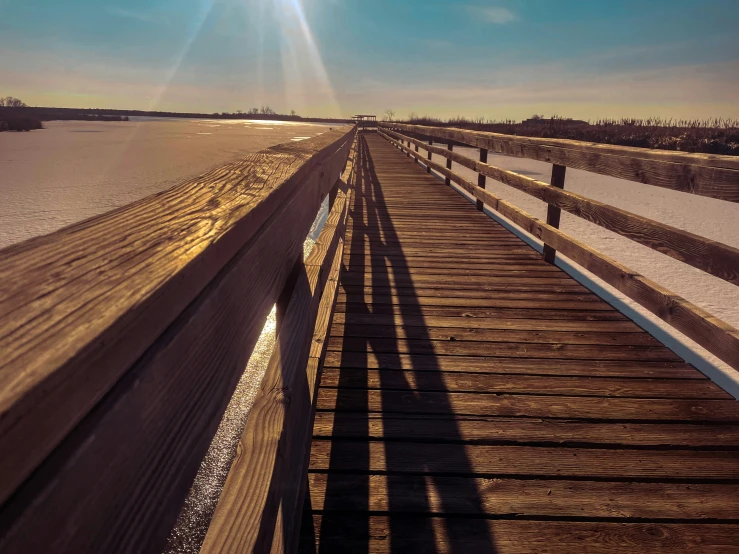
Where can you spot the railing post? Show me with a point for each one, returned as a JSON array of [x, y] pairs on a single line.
[[553, 213], [448, 181], [480, 177], [428, 167], [409, 147]]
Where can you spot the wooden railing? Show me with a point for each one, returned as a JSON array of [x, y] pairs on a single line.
[[123, 338], [706, 175]]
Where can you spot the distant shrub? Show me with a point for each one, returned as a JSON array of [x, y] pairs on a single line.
[[710, 136], [9, 123]]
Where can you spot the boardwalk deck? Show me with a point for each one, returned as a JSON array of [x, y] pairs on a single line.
[[476, 399]]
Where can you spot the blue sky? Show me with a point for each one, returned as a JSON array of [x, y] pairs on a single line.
[[495, 59]]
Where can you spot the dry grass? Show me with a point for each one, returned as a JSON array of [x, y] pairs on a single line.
[[713, 136]]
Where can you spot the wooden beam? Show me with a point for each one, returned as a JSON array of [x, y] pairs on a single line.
[[711, 256], [450, 147], [481, 177], [80, 306], [716, 336], [703, 174], [553, 212], [259, 507]]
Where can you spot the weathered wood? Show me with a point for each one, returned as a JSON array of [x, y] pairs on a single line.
[[716, 336], [495, 335], [450, 147], [553, 212], [500, 461], [80, 306], [138, 451], [268, 468], [523, 365], [705, 254], [353, 319], [502, 430], [537, 406], [340, 533], [703, 174], [481, 178], [543, 497], [512, 417], [494, 383]]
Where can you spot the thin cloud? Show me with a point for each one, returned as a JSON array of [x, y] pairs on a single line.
[[497, 15], [129, 14]]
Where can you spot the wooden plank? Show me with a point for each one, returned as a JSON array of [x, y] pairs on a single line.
[[522, 313], [702, 174], [75, 317], [430, 381], [705, 254], [536, 366], [358, 294], [365, 294], [716, 336], [139, 450], [268, 468], [412, 422], [534, 497], [382, 534], [507, 461], [536, 406], [502, 430], [554, 212], [418, 302], [351, 319], [342, 332]]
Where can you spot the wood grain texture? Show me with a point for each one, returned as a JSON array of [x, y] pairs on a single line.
[[80, 306], [705, 254], [704, 174], [494, 383], [503, 430], [502, 461], [258, 507], [138, 451], [716, 336], [387, 534], [503, 497], [499, 427]]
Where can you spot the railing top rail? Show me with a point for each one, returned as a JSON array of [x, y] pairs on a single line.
[[709, 175], [80, 306]]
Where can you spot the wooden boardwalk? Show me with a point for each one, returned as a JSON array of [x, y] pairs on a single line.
[[477, 399]]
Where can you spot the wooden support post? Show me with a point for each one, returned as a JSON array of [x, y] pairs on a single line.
[[480, 177], [448, 181], [428, 167], [409, 147], [553, 213]]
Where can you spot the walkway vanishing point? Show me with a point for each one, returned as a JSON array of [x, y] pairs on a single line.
[[436, 386]]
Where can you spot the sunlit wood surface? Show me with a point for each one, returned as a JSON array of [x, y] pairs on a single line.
[[477, 399]]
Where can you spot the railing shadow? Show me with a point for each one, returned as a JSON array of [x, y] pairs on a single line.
[[409, 484]]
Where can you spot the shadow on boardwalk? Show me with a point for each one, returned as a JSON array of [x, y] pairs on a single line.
[[350, 515]]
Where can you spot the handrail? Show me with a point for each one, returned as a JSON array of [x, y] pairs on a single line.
[[124, 336], [716, 336], [703, 174], [261, 502], [705, 254]]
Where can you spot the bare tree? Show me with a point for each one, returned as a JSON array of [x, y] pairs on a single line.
[[293, 113], [253, 111], [389, 114], [413, 116], [266, 110], [12, 102]]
